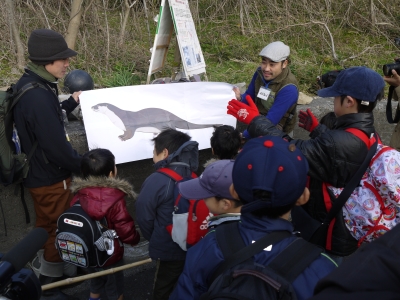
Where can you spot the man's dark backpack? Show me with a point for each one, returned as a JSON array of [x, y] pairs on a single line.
[[14, 164], [239, 277], [327, 79], [82, 241]]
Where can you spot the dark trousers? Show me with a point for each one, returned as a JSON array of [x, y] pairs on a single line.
[[111, 285], [50, 202], [167, 274]]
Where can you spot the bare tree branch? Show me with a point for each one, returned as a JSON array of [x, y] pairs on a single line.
[[15, 33], [44, 14], [74, 22], [126, 12]]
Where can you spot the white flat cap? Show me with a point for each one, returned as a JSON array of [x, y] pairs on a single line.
[[276, 51]]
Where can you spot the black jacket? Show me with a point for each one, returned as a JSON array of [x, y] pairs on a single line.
[[38, 117], [155, 203], [333, 155], [373, 272]]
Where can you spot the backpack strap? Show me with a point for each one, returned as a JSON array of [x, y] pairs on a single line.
[[389, 115], [351, 185], [18, 94], [292, 261], [363, 136], [229, 239], [173, 174], [244, 253], [176, 177], [170, 173]]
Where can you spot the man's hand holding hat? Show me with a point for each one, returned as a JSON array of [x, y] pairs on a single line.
[[241, 111]]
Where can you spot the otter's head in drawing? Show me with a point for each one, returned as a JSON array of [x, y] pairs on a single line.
[[112, 112], [124, 120]]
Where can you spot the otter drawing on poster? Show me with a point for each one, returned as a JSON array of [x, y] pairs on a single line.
[[152, 120], [126, 119]]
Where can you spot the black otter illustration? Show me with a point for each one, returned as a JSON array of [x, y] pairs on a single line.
[[146, 120]]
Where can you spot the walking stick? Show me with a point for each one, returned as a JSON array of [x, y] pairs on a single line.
[[93, 275]]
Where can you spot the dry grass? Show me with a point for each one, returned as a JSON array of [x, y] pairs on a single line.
[[323, 35]]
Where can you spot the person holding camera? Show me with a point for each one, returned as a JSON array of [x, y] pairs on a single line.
[[394, 81]]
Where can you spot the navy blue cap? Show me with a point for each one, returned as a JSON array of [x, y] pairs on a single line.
[[358, 82], [270, 164]]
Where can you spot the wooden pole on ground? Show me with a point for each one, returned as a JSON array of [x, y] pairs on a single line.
[[93, 275]]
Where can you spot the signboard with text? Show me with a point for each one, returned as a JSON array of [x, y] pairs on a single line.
[[175, 16]]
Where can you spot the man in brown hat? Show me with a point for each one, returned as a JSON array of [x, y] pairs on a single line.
[[39, 121]]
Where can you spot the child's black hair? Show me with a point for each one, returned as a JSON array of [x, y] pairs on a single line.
[[170, 139], [366, 108], [97, 162], [270, 212], [225, 142]]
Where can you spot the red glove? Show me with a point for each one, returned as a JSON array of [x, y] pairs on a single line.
[[241, 111], [307, 120]]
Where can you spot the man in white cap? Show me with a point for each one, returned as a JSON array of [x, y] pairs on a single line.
[[274, 88]]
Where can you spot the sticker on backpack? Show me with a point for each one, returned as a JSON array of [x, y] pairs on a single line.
[[82, 241]]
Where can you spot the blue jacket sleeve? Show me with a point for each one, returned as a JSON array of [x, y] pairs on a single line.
[[251, 89], [285, 98], [148, 202], [193, 281]]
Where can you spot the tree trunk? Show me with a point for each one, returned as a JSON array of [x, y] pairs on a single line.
[[19, 48], [241, 16], [373, 17], [74, 22], [147, 21], [127, 10]]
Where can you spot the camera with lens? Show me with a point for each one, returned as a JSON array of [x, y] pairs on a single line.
[[387, 69], [16, 281]]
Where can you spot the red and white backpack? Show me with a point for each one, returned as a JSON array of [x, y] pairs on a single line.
[[374, 206], [190, 217]]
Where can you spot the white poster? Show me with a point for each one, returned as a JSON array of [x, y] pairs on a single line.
[[125, 119]]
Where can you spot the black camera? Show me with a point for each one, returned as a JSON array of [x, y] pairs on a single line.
[[387, 69], [17, 282]]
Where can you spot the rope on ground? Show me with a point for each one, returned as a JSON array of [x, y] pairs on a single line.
[[93, 275]]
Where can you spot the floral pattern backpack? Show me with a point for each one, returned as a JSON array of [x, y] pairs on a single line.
[[374, 207]]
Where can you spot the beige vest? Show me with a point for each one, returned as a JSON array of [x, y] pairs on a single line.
[[289, 119]]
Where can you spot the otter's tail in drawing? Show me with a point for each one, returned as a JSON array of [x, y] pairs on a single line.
[[188, 125]]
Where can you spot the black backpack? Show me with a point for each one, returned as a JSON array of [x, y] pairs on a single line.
[[239, 277], [14, 164], [327, 79], [82, 241]]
